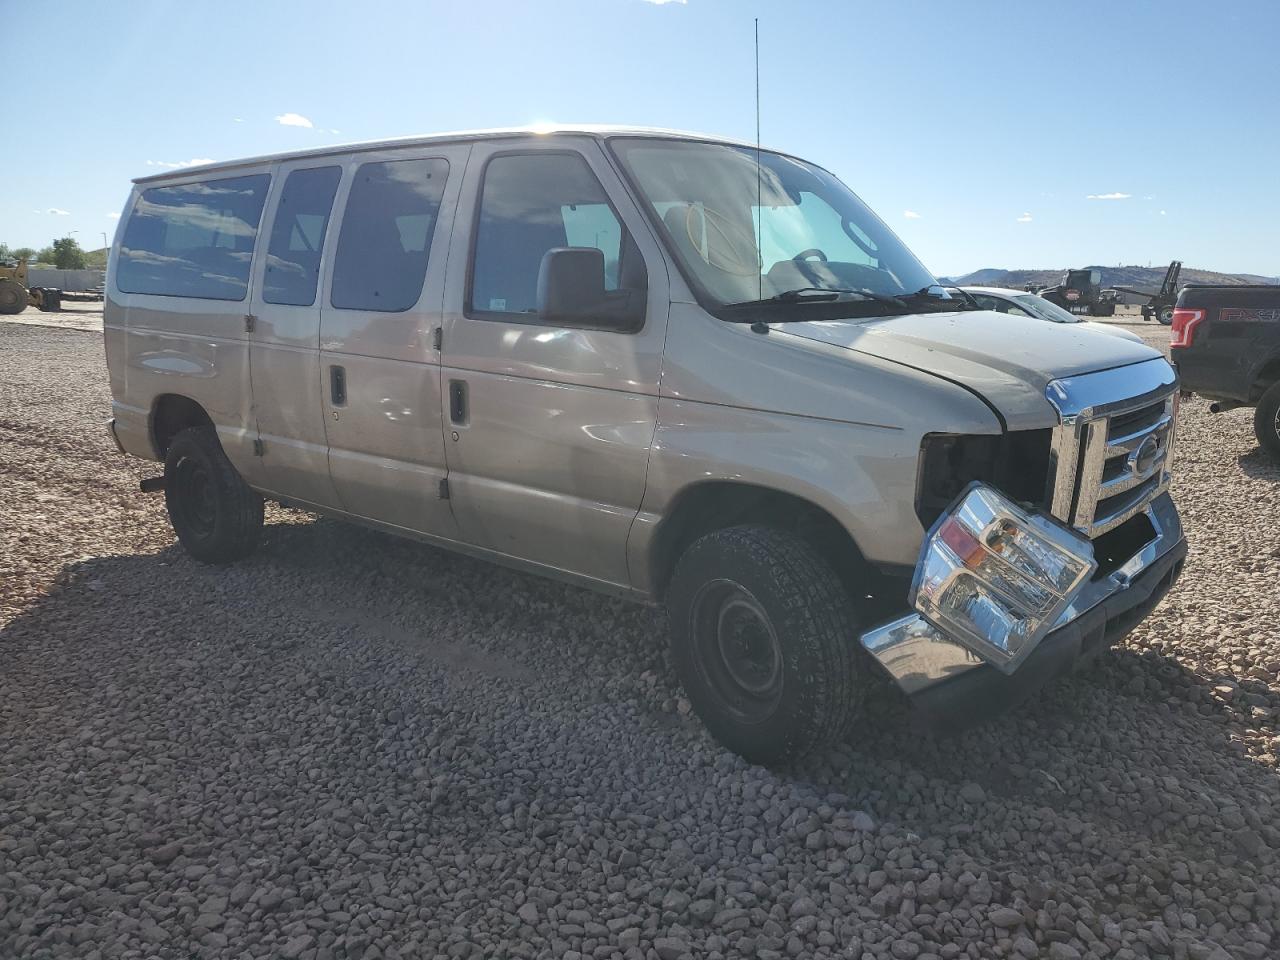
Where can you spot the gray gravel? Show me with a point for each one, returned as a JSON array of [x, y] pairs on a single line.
[[356, 747]]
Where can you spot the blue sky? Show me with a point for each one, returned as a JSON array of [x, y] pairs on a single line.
[[968, 126]]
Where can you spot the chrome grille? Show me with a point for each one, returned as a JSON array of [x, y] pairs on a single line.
[[1112, 452]]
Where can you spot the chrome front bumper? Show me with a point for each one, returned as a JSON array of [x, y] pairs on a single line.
[[919, 657]]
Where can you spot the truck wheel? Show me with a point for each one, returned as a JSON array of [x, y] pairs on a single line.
[[216, 516], [762, 637], [13, 297], [1266, 421], [1166, 315]]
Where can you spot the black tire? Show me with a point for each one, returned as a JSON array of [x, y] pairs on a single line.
[[1266, 421], [1165, 316], [217, 518], [763, 639], [13, 297]]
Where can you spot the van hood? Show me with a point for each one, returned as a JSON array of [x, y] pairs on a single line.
[[1007, 360]]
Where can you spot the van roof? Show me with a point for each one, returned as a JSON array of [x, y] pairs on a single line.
[[586, 129]]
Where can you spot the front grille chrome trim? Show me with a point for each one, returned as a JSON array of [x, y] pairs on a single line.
[[1083, 453]]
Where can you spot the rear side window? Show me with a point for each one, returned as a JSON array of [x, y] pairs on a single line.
[[193, 240], [297, 236], [386, 234], [532, 203]]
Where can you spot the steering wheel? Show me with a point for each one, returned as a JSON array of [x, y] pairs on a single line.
[[804, 255], [736, 250]]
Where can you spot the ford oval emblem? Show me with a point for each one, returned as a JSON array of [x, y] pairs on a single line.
[[1144, 458]]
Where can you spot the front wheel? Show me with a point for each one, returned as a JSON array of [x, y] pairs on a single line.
[[13, 297], [215, 514], [762, 637], [1266, 421]]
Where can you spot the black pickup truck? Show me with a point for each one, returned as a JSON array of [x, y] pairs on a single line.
[[1226, 346]]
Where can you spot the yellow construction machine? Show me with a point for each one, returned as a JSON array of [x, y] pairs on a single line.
[[16, 295]]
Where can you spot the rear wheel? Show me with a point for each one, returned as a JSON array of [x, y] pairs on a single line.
[[13, 297], [1266, 421], [215, 514], [1165, 315], [762, 637]]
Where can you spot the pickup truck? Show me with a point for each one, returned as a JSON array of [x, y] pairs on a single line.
[[1226, 346]]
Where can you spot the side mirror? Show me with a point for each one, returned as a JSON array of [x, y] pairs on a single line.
[[571, 293]]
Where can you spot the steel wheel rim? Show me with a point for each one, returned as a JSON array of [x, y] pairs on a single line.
[[736, 650], [197, 504]]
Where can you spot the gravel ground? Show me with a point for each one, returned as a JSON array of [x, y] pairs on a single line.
[[357, 747]]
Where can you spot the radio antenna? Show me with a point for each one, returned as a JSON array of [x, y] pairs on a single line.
[[759, 188]]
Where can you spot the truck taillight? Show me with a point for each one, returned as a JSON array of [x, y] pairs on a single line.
[[1184, 326]]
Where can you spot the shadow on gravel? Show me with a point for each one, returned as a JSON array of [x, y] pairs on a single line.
[[149, 704], [1135, 743], [1259, 465]]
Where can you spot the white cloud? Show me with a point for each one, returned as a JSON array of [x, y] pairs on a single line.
[[113, 216], [335, 131], [237, 119], [911, 214], [1025, 218], [195, 162], [294, 120], [1109, 196], [58, 213], [1162, 213]]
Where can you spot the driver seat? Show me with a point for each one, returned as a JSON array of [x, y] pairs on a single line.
[[676, 221]]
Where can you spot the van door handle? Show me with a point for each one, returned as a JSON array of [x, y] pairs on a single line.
[[458, 401], [338, 386]]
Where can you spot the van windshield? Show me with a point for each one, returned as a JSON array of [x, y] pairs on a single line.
[[739, 239]]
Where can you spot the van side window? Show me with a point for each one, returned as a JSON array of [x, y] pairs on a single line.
[[532, 203], [386, 234], [297, 236], [193, 240]]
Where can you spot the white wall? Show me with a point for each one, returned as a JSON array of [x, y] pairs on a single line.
[[74, 280]]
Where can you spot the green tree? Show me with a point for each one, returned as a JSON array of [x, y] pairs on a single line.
[[45, 256], [22, 253], [5, 252], [67, 254]]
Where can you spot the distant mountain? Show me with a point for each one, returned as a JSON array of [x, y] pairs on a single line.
[[1140, 278]]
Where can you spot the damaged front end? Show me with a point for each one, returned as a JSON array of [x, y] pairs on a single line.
[[1011, 591]]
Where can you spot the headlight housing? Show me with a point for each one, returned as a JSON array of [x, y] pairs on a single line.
[[996, 577]]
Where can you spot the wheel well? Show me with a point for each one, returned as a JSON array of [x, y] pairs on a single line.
[[1269, 374], [712, 506], [172, 413]]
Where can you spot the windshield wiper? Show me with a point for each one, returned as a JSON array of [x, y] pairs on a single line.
[[820, 295], [925, 296]]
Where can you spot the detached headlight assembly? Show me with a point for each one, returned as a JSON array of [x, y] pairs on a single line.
[[996, 577]]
